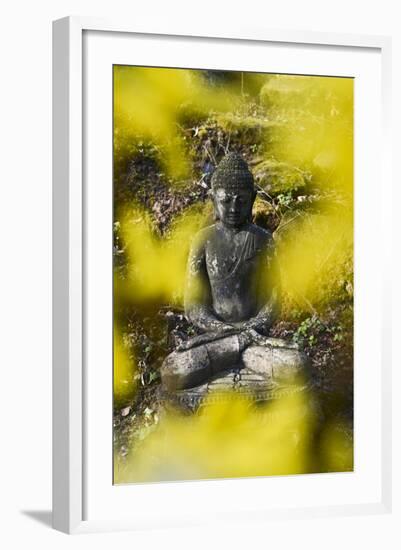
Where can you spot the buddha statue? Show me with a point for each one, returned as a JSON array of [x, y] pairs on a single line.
[[232, 297]]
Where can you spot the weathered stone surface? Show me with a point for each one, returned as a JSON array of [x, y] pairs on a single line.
[[228, 384]]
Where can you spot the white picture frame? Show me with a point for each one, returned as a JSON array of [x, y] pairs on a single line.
[[71, 415]]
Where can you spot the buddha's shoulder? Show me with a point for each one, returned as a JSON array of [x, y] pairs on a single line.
[[203, 236], [261, 237]]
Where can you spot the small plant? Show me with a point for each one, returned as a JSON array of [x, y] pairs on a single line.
[[308, 331], [285, 199], [337, 332]]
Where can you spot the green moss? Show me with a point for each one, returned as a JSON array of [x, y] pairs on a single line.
[[263, 213], [236, 121], [278, 177]]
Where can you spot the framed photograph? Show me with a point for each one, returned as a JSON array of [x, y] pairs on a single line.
[[221, 300]]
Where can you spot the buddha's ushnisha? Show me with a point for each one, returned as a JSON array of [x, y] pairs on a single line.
[[232, 293]]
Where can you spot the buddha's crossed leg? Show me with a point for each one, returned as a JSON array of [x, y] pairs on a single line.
[[279, 364]]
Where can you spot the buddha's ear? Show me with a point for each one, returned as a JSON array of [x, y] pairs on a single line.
[[211, 196], [250, 217]]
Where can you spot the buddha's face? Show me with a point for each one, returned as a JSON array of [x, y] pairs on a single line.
[[233, 207]]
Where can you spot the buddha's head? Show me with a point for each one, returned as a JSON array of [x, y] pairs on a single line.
[[233, 191]]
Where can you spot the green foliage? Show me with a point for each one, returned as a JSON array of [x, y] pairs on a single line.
[[308, 331]]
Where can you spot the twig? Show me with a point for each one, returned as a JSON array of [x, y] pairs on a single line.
[[280, 227], [228, 143], [261, 191], [211, 156], [331, 251]]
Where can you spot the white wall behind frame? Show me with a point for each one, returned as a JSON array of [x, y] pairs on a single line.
[[25, 114]]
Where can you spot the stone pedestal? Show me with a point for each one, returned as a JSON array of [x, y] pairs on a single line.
[[228, 384]]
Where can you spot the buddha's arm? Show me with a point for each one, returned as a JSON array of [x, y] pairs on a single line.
[[267, 314], [202, 317], [270, 285], [198, 309]]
